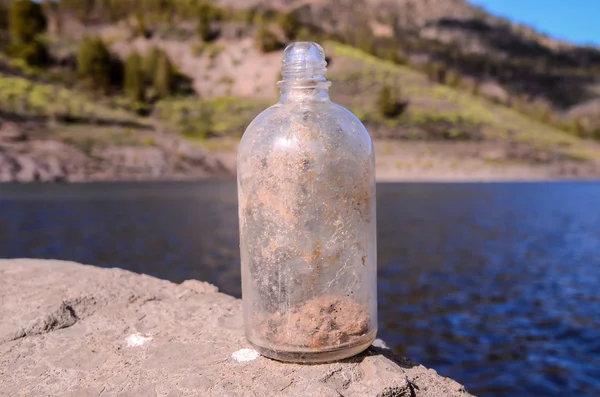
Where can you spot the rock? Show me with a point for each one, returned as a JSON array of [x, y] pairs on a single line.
[[8, 167], [74, 330], [10, 132], [133, 160], [27, 169]]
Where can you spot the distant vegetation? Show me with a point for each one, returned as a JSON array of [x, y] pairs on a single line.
[[539, 83], [97, 68], [267, 41], [27, 23], [388, 103]]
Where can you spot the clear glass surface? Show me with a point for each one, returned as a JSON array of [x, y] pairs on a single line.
[[306, 186]]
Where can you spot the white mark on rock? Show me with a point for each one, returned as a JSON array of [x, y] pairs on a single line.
[[380, 344], [135, 340], [245, 355]]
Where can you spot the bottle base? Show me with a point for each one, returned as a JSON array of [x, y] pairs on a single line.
[[319, 356]]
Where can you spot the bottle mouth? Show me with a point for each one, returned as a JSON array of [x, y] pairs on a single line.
[[303, 65]]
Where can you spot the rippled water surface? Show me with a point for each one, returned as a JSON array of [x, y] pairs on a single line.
[[495, 285]]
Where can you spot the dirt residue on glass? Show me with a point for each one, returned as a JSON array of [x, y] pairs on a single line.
[[325, 321]]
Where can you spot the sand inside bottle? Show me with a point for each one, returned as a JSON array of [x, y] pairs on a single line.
[[320, 323]]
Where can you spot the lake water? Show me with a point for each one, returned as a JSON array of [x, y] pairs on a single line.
[[495, 285]]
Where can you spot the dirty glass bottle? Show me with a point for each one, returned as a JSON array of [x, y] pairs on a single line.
[[306, 189]]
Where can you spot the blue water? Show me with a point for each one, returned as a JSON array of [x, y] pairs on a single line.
[[495, 285]]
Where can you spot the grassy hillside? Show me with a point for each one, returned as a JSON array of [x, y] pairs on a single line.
[[438, 111], [131, 81]]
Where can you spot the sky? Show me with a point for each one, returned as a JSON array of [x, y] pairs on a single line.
[[577, 21]]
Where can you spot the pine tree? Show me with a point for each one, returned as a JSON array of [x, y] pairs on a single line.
[[165, 9], [141, 21], [267, 41], [205, 17], [290, 25], [150, 63], [388, 104], [3, 24], [3, 16], [163, 76], [35, 53], [27, 21], [134, 78], [95, 66]]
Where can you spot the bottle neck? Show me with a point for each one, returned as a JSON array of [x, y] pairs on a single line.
[[303, 70], [305, 91]]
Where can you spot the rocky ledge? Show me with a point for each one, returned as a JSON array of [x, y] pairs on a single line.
[[25, 156], [74, 330]]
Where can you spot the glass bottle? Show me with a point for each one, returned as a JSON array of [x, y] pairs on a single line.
[[306, 187]]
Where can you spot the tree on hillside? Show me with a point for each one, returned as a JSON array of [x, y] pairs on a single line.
[[304, 34], [34, 54], [388, 102], [110, 10], [452, 78], [436, 72], [95, 65], [164, 76], [3, 24], [134, 78], [290, 25], [207, 13], [141, 23], [267, 41], [159, 72], [3, 17], [165, 10], [150, 63], [27, 22]]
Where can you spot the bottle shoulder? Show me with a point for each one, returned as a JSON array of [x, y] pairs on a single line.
[[280, 118], [317, 125]]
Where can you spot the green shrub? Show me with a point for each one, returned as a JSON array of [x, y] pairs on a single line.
[[394, 56], [204, 26], [159, 73], [164, 76], [3, 19], [27, 21], [34, 53], [578, 127], [388, 103], [207, 14], [289, 24], [134, 78], [267, 41], [452, 79], [304, 34], [141, 22], [436, 72], [150, 62], [95, 65]]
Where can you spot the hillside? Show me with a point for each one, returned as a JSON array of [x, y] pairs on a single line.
[[448, 121]]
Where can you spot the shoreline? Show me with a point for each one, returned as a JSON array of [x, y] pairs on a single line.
[[172, 159]]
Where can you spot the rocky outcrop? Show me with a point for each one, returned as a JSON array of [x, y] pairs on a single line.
[[27, 157], [75, 330]]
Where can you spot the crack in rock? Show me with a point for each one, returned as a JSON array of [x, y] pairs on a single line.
[[340, 379], [66, 315]]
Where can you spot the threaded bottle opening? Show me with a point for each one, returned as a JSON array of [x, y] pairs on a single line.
[[303, 64]]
